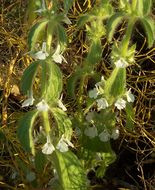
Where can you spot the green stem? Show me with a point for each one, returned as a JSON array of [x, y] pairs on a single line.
[[46, 122], [49, 37]]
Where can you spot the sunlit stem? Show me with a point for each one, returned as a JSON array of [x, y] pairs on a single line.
[[134, 4], [80, 99], [126, 40], [46, 122], [49, 38]]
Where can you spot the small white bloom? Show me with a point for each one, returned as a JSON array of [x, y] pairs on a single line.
[[42, 106], [115, 134], [130, 96], [28, 102], [104, 136], [91, 132], [102, 103], [57, 56], [89, 116], [60, 104], [48, 147], [42, 55], [98, 84], [93, 93], [63, 144], [121, 63], [120, 104]]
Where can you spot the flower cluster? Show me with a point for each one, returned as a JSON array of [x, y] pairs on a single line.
[[102, 103], [62, 145], [42, 105], [42, 54], [104, 136]]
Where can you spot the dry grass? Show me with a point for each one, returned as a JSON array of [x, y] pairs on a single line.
[[141, 78]]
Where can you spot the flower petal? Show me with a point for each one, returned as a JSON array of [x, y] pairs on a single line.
[[121, 63], [102, 103], [104, 136], [91, 132], [48, 148], [120, 104], [93, 93], [41, 55], [130, 96], [115, 134], [28, 102], [62, 146], [42, 106]]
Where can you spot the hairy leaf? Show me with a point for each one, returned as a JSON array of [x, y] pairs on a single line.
[[68, 4], [70, 172], [149, 27], [28, 77], [113, 21], [63, 122], [54, 84], [35, 32], [129, 117], [95, 53], [115, 85], [147, 5], [24, 130]]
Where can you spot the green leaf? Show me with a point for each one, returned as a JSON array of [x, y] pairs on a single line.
[[61, 34], [115, 85], [149, 26], [130, 115], [113, 22], [40, 162], [24, 131], [72, 81], [54, 84], [63, 122], [28, 77], [107, 159], [67, 5], [70, 172], [83, 19], [90, 144], [147, 7], [95, 53], [35, 32]]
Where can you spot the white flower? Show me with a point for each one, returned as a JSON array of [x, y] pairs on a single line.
[[121, 63], [42, 106], [57, 56], [102, 103], [104, 136], [28, 102], [63, 144], [98, 84], [130, 96], [93, 93], [120, 104], [91, 132], [115, 134], [60, 104], [41, 55], [48, 147], [89, 116]]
